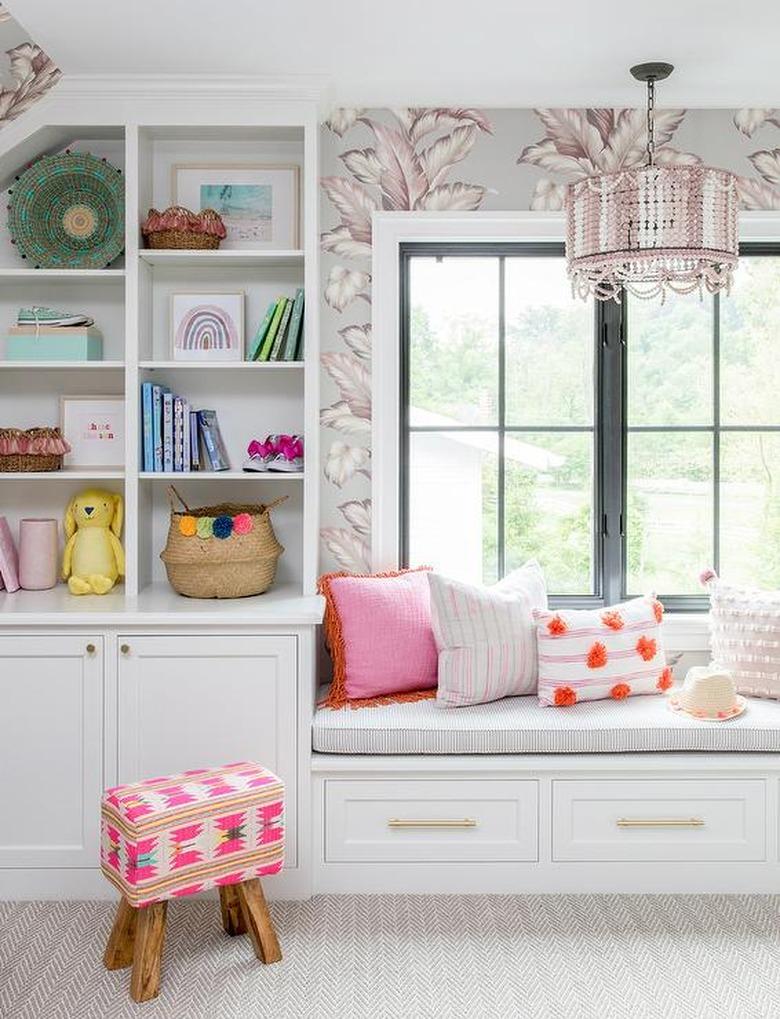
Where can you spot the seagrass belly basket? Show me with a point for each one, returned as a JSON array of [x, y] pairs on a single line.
[[223, 551]]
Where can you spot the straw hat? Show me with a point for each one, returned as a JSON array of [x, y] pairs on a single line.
[[708, 694]]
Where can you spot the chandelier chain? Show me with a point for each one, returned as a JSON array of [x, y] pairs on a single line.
[[650, 121]]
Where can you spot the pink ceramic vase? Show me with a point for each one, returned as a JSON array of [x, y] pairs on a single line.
[[38, 554]]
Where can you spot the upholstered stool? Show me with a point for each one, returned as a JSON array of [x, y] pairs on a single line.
[[171, 837]]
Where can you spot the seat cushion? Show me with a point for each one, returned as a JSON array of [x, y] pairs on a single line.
[[181, 834], [519, 725]]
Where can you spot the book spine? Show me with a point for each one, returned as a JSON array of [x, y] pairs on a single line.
[[212, 440], [194, 441], [262, 330], [168, 431], [281, 332], [296, 327], [271, 335], [157, 427], [178, 434], [146, 418], [185, 437]]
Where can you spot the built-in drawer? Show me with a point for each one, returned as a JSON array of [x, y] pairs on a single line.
[[646, 819], [438, 820]]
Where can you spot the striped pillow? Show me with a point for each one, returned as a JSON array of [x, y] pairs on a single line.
[[589, 655], [485, 636]]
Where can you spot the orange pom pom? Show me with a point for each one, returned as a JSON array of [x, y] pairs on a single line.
[[658, 611], [557, 626], [665, 680], [612, 619], [620, 691], [597, 656], [188, 526], [646, 648], [564, 697]]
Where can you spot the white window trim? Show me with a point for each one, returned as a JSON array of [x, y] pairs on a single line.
[[390, 231]]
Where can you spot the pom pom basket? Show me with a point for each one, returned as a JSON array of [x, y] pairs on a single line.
[[223, 551], [178, 227]]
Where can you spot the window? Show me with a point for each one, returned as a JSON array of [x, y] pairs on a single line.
[[624, 446]]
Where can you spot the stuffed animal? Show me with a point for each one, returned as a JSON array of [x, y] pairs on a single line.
[[94, 558]]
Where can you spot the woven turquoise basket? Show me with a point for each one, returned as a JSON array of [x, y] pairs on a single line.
[[68, 212]]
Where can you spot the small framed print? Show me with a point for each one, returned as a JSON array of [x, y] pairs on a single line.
[[207, 326], [259, 203], [94, 426]]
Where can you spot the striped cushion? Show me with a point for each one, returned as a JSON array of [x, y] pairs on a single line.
[[485, 636], [182, 834], [520, 725], [590, 654], [745, 630]]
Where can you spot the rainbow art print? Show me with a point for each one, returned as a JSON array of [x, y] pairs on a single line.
[[207, 327]]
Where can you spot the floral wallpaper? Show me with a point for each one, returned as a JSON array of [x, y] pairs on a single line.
[[28, 74], [448, 158]]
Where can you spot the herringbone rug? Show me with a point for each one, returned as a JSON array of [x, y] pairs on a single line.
[[415, 957]]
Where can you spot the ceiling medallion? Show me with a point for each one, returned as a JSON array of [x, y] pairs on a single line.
[[655, 228]]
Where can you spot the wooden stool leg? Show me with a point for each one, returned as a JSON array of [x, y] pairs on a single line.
[[147, 961], [258, 920], [232, 917], [119, 950]]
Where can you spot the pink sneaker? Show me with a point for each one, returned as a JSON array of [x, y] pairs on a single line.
[[289, 455], [260, 454]]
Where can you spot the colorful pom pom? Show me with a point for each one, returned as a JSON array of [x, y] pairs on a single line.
[[612, 619], [597, 656], [658, 610], [557, 626], [223, 527], [665, 680], [646, 648], [706, 576], [242, 523], [205, 527], [564, 697], [620, 691], [188, 526]]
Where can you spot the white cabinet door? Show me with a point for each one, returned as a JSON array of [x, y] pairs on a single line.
[[51, 750], [201, 701]]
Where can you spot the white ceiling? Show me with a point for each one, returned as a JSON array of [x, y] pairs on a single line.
[[454, 52]]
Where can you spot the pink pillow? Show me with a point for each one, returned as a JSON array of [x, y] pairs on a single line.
[[592, 654], [378, 631]]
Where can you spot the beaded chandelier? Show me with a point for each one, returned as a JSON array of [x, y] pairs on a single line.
[[655, 228]]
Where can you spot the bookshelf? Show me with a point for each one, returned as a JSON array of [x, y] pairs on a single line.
[[130, 302]]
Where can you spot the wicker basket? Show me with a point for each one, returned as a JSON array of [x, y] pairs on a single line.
[[35, 441], [223, 551], [182, 239]]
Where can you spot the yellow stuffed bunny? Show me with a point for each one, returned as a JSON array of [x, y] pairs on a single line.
[[94, 558]]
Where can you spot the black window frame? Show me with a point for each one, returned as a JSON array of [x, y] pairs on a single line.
[[610, 425]]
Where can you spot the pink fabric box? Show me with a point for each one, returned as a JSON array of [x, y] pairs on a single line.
[[175, 836]]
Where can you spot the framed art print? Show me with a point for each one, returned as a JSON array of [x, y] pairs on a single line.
[[259, 204], [207, 326], [95, 428]]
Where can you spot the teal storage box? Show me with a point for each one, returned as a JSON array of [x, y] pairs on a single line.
[[71, 343]]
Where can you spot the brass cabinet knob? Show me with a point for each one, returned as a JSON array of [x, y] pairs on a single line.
[[125, 649], [90, 649]]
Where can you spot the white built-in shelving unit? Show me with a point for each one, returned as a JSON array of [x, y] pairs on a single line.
[[130, 301]]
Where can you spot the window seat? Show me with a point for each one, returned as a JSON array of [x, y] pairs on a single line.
[[517, 725]]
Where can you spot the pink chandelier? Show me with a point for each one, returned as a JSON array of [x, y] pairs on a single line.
[[654, 228]]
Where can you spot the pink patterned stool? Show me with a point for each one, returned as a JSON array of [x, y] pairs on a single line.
[[170, 837]]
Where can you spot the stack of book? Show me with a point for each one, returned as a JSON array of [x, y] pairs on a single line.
[[176, 437], [280, 334]]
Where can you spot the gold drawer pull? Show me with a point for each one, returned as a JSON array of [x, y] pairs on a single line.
[[660, 822], [431, 822]]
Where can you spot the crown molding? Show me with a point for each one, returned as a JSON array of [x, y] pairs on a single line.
[[290, 88]]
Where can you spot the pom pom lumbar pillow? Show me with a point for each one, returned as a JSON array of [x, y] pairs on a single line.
[[378, 631], [593, 654], [486, 637], [745, 635]]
